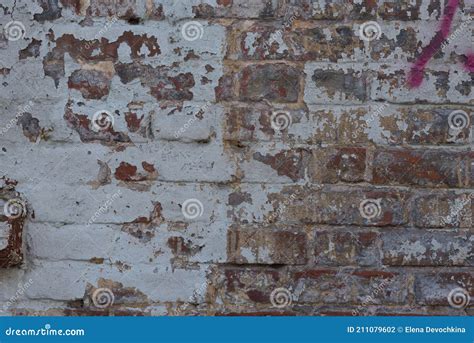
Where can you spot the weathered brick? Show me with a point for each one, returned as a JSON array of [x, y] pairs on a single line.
[[281, 41], [266, 246], [346, 247], [329, 286], [440, 86], [275, 82], [366, 9], [347, 207], [130, 10], [259, 122], [426, 168], [428, 248], [444, 210], [433, 288], [236, 286], [335, 85], [339, 164]]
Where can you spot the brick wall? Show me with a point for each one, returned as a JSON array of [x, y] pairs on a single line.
[[232, 157]]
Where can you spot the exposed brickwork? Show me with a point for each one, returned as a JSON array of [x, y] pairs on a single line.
[[235, 157]]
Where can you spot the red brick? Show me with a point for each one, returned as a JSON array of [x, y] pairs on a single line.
[[426, 168], [266, 246], [338, 206], [345, 247], [345, 164], [275, 82]]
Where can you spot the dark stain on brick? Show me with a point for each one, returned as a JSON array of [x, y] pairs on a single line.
[[143, 228], [181, 247], [133, 122], [465, 87], [191, 56], [258, 296], [72, 4], [136, 44], [53, 66], [205, 80], [32, 50], [143, 234], [148, 167], [277, 82], [93, 84], [30, 126], [291, 163], [224, 3], [204, 11], [351, 84], [406, 40], [155, 11], [95, 51], [236, 198], [224, 89], [96, 260], [162, 85], [51, 11], [126, 172]]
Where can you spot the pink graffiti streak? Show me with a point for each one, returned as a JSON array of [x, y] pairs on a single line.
[[470, 63], [416, 73]]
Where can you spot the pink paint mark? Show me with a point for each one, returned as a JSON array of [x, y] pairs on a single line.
[[416, 73], [469, 64]]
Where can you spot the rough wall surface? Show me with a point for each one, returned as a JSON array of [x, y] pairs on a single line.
[[235, 157]]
